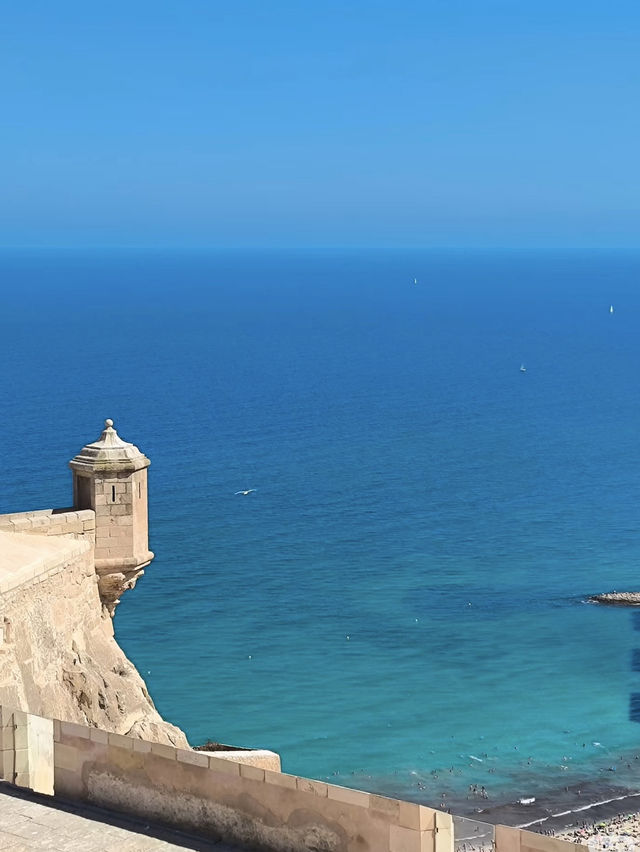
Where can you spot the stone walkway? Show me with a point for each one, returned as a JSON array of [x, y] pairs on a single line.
[[33, 823]]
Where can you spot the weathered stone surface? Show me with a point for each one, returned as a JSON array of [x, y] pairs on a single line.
[[111, 453], [59, 658], [110, 478], [617, 598]]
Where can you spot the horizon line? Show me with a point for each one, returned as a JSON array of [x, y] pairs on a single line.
[[310, 248]]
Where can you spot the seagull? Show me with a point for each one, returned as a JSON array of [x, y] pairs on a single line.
[[248, 491]]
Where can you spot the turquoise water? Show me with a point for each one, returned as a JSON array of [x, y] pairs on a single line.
[[400, 604]]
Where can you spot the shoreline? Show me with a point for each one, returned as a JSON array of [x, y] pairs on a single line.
[[558, 814], [608, 821]]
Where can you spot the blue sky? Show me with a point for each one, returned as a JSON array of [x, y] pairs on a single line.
[[198, 122]]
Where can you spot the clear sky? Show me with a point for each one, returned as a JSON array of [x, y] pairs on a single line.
[[320, 122]]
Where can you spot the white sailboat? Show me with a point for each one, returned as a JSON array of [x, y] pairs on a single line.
[[610, 309], [415, 280], [523, 369]]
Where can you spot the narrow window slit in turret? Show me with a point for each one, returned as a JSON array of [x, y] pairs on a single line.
[[113, 494]]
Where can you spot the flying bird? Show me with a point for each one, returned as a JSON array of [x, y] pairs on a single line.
[[248, 491]]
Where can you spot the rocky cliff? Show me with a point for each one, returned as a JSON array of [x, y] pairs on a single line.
[[58, 655]]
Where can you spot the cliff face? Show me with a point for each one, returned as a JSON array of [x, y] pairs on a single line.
[[59, 657]]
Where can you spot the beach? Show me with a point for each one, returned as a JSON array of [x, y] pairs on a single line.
[[596, 815], [618, 834]]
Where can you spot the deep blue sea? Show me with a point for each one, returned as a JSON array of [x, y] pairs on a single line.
[[399, 606]]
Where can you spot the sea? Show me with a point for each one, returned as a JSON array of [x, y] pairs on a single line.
[[444, 448]]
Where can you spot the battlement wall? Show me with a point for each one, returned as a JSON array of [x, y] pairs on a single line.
[[51, 522], [209, 795]]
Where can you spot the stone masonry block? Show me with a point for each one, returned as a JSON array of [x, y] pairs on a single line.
[[307, 785], [403, 839], [118, 532], [228, 767], [507, 839], [73, 527], [415, 816], [7, 740], [71, 729], [445, 821], [101, 552], [142, 746], [390, 808], [66, 757], [97, 735], [252, 772], [280, 779], [20, 735], [443, 840], [162, 750], [117, 551], [532, 842], [348, 796], [196, 758], [120, 741]]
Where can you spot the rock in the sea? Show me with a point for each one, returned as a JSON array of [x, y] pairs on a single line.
[[617, 598]]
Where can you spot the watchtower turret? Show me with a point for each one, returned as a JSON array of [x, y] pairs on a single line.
[[110, 477]]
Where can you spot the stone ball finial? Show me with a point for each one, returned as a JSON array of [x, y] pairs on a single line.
[[109, 452]]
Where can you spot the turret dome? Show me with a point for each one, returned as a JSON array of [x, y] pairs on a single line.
[[109, 452]]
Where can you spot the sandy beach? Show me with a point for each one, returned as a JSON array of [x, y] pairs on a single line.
[[618, 834], [602, 817]]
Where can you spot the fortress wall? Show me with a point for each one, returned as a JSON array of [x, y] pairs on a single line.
[[217, 798], [47, 565], [237, 802], [51, 522]]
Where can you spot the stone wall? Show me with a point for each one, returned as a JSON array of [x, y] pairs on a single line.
[[518, 840], [222, 799], [236, 802], [26, 750], [51, 522]]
